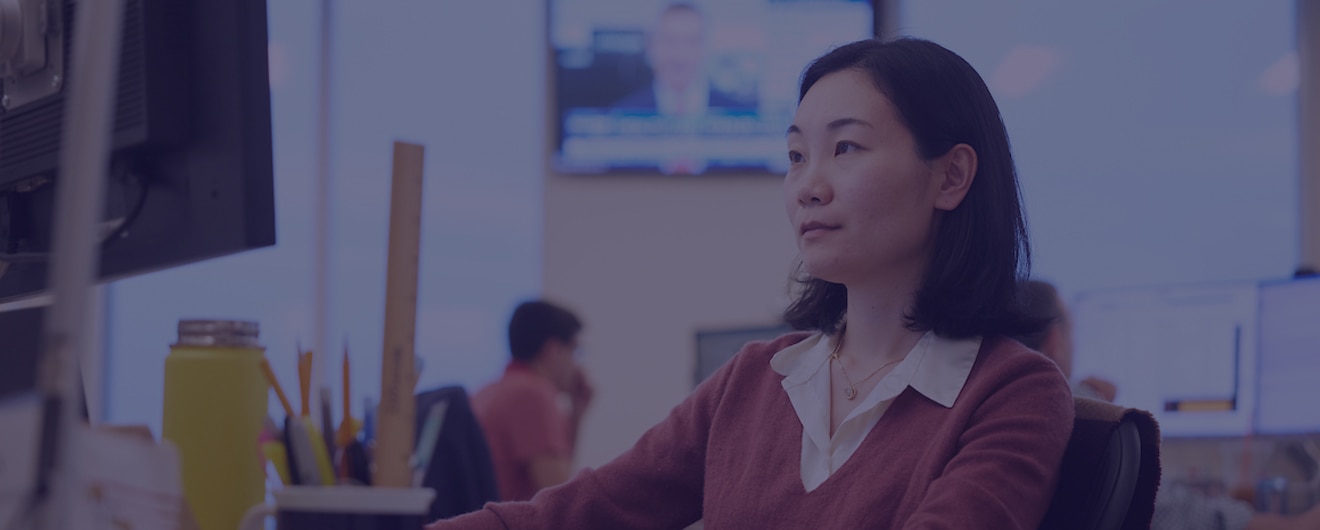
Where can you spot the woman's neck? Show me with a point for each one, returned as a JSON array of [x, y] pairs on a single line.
[[876, 322]]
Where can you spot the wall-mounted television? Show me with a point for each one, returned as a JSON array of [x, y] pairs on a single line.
[[686, 87]]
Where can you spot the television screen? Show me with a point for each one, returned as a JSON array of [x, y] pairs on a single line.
[[686, 87]]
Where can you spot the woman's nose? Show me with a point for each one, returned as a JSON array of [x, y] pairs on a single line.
[[815, 189]]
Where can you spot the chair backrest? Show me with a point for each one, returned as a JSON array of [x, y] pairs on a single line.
[[460, 469], [1106, 480]]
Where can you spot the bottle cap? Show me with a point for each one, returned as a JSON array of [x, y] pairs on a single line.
[[198, 332]]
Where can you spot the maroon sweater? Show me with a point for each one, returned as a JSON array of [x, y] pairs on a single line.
[[729, 454]]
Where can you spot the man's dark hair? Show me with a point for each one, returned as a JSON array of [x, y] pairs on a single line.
[[535, 322], [981, 249]]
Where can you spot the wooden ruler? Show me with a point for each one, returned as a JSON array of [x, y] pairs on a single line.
[[396, 422]]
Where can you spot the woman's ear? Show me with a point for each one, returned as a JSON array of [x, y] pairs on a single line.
[[957, 169]]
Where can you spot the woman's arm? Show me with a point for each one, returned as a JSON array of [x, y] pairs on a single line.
[[1004, 475], [658, 483]]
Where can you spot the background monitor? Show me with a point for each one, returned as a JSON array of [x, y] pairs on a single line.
[[1185, 353], [659, 86], [716, 346], [191, 173], [1289, 363]]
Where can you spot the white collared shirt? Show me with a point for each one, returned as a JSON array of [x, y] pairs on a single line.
[[936, 367]]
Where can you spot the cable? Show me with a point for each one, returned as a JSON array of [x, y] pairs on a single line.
[[132, 216], [109, 239]]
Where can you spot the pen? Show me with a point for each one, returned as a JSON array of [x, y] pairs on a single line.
[[348, 427], [305, 380], [368, 419], [326, 428], [278, 457]]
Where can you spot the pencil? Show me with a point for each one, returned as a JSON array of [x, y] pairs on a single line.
[[305, 381], [347, 430], [275, 383], [347, 404]]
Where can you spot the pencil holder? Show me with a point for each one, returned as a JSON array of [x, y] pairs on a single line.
[[343, 508], [215, 406]]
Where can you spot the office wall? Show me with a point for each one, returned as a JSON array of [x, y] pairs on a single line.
[[1152, 149], [647, 261]]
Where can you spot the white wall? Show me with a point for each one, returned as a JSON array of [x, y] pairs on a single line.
[[648, 260], [1156, 142]]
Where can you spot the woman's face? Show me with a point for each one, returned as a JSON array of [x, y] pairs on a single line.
[[861, 202]]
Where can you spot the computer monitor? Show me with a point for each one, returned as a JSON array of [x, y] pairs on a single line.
[[190, 173], [716, 346], [1289, 362], [1185, 353]]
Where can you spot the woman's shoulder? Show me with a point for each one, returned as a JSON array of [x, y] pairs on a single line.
[[1009, 380], [1012, 355], [1003, 361]]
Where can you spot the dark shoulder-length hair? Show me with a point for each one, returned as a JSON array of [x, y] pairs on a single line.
[[980, 249]]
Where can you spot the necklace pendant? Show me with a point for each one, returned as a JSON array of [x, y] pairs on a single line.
[[849, 392]]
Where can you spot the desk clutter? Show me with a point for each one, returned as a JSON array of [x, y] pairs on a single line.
[[450, 458], [216, 401], [304, 453], [218, 380]]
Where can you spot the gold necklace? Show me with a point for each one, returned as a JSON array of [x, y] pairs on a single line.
[[850, 391]]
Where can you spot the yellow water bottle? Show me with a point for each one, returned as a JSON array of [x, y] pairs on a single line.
[[215, 409]]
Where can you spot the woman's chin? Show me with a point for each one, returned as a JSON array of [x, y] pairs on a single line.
[[829, 272]]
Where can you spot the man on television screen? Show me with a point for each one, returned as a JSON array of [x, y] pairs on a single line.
[[676, 53]]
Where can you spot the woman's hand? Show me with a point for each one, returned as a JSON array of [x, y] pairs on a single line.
[[580, 390]]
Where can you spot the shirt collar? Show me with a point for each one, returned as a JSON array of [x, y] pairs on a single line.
[[944, 368], [518, 367], [939, 365]]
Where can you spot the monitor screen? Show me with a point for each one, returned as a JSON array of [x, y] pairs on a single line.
[[1186, 353], [1289, 358], [693, 87]]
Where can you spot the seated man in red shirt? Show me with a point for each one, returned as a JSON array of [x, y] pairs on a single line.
[[531, 432]]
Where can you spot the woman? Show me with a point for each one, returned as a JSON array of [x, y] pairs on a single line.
[[905, 407]]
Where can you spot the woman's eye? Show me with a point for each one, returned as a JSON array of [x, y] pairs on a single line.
[[844, 147], [794, 157]]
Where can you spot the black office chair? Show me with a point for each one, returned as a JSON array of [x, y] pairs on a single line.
[[460, 471], [1110, 470]]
